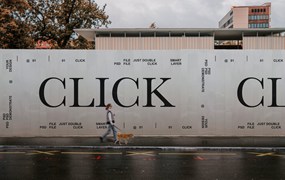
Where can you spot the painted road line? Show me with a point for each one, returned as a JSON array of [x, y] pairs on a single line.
[[144, 153], [51, 153], [266, 154], [90, 153], [199, 154], [199, 158]]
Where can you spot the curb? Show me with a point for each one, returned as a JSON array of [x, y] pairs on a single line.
[[9, 147]]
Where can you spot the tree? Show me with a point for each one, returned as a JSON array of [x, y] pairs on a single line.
[[54, 20], [14, 32], [80, 43]]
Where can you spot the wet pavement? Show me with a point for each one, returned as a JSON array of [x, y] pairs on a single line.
[[125, 164], [193, 143], [145, 158]]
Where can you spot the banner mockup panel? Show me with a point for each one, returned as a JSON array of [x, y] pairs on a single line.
[[195, 93]]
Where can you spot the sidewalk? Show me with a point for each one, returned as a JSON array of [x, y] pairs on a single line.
[[171, 143]]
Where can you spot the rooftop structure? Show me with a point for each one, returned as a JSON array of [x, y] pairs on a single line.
[[184, 38], [247, 17]]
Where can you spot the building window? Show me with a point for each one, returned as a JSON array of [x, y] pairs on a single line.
[[258, 17], [258, 11], [265, 16], [261, 25]]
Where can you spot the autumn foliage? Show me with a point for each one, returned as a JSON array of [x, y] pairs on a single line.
[[23, 23]]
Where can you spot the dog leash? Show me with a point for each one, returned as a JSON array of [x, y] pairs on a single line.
[[117, 127]]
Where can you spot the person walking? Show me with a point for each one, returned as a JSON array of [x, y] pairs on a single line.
[[111, 124]]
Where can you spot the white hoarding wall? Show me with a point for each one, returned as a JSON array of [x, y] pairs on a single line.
[[196, 93]]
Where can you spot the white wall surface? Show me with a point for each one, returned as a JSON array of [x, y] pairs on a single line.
[[201, 85]]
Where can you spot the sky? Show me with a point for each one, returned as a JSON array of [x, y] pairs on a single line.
[[180, 13]]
